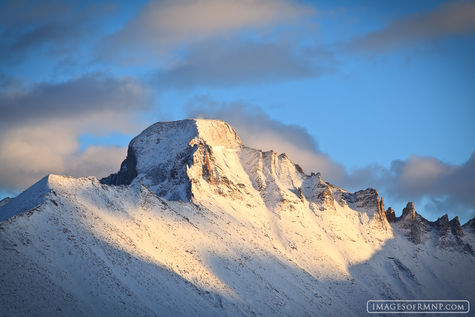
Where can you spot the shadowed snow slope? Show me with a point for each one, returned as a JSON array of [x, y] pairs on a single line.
[[196, 223]]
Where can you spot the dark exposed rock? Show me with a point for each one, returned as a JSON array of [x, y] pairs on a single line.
[[409, 212], [451, 234], [127, 172], [381, 207], [443, 225], [455, 227], [299, 169], [207, 170], [367, 199], [390, 215], [326, 197], [416, 224]]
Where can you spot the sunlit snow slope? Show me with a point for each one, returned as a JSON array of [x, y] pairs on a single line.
[[196, 223]]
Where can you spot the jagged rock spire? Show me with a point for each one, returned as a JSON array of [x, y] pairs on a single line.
[[455, 227], [443, 225], [390, 214], [381, 207], [409, 212]]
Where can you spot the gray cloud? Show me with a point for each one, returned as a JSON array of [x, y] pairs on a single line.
[[447, 19], [40, 126], [92, 93], [226, 63], [163, 25], [438, 187], [207, 43], [54, 27], [447, 187]]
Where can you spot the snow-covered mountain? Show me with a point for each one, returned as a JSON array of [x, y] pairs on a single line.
[[196, 223]]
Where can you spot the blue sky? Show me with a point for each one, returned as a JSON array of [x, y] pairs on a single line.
[[370, 93]]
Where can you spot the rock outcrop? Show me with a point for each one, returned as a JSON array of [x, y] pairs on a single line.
[[409, 212], [390, 215], [443, 225], [411, 221], [127, 171], [446, 233], [455, 227]]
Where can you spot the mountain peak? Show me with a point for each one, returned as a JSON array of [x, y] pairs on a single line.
[[205, 161], [160, 156]]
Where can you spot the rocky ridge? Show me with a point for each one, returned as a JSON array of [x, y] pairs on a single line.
[[198, 159]]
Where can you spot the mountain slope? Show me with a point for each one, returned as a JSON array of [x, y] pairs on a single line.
[[241, 232]]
